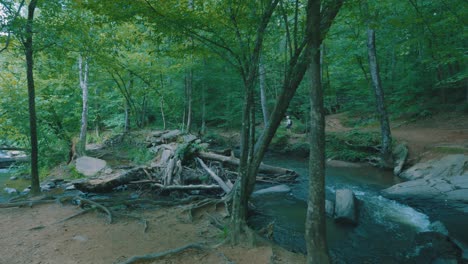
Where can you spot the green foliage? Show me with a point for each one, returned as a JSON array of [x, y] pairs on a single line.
[[214, 139], [351, 146], [186, 151], [280, 141]]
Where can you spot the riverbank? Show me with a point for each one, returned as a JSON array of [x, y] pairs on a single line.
[[33, 235]]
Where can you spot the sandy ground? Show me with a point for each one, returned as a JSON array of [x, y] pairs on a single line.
[[35, 236]]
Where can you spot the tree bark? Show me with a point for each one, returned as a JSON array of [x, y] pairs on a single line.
[[386, 151], [29, 50], [203, 119], [83, 76], [188, 94], [315, 228], [263, 99]]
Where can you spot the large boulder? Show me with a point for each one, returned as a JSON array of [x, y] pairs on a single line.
[[345, 207], [400, 154], [453, 191], [448, 166], [89, 166]]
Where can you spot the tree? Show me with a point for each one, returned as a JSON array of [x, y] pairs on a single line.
[[386, 150], [386, 137], [29, 51], [83, 69]]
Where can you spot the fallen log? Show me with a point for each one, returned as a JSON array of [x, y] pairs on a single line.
[[213, 175], [233, 161], [108, 182], [189, 187]]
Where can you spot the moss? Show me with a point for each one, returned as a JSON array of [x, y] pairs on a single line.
[[450, 150], [351, 146]]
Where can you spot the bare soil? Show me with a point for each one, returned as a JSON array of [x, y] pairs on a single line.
[[426, 139], [34, 236]]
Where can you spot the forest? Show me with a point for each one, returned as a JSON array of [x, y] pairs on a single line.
[[76, 73]]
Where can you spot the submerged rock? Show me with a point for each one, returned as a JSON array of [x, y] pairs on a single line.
[[275, 189], [329, 208], [345, 207], [10, 190], [434, 247]]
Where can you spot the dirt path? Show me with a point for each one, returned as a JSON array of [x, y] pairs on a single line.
[[428, 138], [33, 236]]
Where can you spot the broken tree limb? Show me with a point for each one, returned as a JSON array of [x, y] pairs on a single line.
[[178, 187], [233, 161], [213, 175], [154, 256]]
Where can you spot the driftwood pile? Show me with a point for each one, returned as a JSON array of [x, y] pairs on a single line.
[[183, 163]]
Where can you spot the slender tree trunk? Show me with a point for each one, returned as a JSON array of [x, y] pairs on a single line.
[[386, 151], [162, 113], [252, 157], [263, 100], [161, 103], [127, 117], [189, 99], [28, 48], [83, 74], [315, 228], [203, 121]]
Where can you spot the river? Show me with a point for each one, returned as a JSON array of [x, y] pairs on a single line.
[[386, 228]]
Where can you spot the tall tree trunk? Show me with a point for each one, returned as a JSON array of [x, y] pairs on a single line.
[[162, 102], [203, 119], [251, 157], [263, 100], [386, 151], [315, 228], [28, 49], [189, 99], [83, 75], [126, 117]]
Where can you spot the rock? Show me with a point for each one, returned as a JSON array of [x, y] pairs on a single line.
[[80, 238], [13, 178], [329, 208], [434, 247], [448, 166], [438, 227], [345, 207], [400, 154], [10, 190], [275, 189], [453, 191], [70, 187], [89, 166]]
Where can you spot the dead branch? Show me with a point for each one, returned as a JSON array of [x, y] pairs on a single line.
[[214, 176], [232, 161]]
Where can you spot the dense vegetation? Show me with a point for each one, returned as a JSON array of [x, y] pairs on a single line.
[[141, 66]]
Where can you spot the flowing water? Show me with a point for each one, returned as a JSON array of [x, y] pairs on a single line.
[[386, 228]]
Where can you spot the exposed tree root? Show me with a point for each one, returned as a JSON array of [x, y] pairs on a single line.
[[77, 214], [157, 255], [97, 205], [25, 203]]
